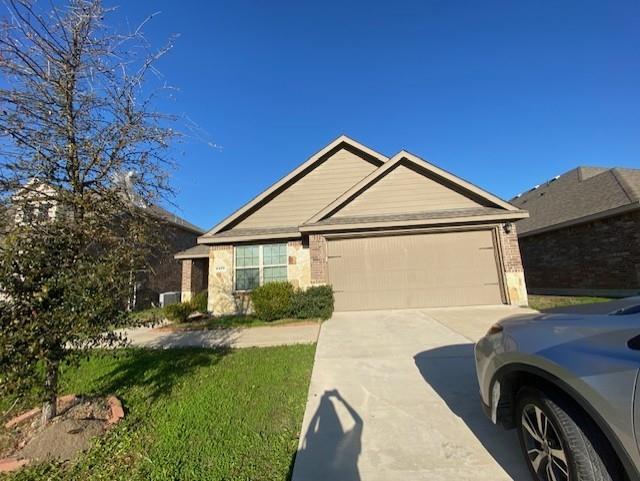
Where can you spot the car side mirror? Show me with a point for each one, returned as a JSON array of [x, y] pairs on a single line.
[[634, 343]]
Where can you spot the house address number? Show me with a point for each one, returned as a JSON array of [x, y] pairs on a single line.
[[221, 268]]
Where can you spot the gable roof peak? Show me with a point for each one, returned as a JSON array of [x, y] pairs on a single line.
[[373, 156], [422, 164]]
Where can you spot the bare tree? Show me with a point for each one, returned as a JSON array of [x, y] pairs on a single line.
[[83, 148]]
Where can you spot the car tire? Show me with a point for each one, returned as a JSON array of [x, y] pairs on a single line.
[[566, 450]]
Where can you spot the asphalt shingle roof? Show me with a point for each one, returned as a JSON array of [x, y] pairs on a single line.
[[438, 214], [193, 252], [170, 217], [578, 193]]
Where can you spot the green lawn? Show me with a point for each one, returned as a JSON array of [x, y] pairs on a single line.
[[149, 315], [238, 321], [548, 302], [192, 414], [156, 315]]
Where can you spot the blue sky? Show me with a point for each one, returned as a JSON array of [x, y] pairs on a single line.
[[505, 94]]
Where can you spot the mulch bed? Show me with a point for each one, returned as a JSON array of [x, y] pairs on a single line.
[[79, 421]]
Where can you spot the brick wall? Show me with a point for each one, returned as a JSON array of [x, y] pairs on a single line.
[[194, 277], [199, 275], [319, 263], [604, 254], [515, 284], [165, 273], [510, 250]]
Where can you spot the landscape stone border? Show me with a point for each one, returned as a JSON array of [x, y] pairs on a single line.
[[116, 413]]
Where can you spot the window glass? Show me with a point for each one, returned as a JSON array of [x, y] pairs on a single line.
[[272, 274], [260, 264], [247, 279], [274, 254], [247, 256]]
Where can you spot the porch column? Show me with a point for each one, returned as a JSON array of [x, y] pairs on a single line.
[[514, 273], [187, 281]]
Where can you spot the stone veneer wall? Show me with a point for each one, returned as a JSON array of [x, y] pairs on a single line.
[[595, 258], [512, 262], [221, 298], [298, 264]]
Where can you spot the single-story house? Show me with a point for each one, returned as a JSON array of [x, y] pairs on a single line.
[[385, 232], [583, 233]]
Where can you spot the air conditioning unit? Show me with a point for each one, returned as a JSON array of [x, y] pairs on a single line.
[[168, 298]]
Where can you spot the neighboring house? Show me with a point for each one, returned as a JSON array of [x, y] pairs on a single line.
[[164, 273], [385, 232], [583, 233]]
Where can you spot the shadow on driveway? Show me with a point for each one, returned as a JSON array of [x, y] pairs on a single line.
[[332, 444], [450, 371]]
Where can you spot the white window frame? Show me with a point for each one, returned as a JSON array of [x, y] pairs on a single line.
[[260, 265]]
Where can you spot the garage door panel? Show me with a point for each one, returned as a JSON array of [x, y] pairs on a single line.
[[411, 271]]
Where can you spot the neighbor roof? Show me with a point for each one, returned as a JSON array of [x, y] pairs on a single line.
[[580, 195], [170, 217]]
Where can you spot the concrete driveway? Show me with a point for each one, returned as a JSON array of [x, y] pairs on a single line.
[[394, 396]]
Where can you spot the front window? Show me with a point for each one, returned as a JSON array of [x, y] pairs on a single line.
[[258, 264]]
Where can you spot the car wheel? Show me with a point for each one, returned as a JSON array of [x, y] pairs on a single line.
[[558, 440]]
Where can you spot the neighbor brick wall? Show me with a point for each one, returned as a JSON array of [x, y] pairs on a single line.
[[165, 273], [603, 254], [319, 263]]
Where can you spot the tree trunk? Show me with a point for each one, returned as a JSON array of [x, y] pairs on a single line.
[[49, 408]]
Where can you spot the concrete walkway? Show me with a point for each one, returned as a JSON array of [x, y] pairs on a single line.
[[394, 396], [306, 333]]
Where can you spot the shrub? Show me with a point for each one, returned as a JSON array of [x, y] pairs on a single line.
[[178, 312], [272, 301], [316, 301], [199, 301]]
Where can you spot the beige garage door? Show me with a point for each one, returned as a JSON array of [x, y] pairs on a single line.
[[419, 270]]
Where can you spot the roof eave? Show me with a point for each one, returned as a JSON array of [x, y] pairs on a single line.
[[506, 217], [247, 238], [181, 257]]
